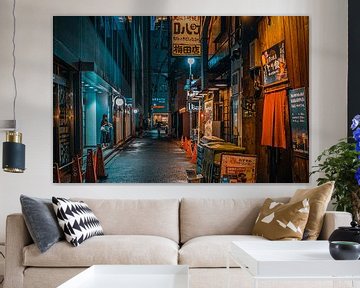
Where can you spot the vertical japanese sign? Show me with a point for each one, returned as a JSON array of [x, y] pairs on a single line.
[[208, 117], [237, 168], [274, 64], [185, 36], [298, 120]]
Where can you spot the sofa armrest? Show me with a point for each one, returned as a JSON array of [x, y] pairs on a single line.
[[17, 237], [333, 220]]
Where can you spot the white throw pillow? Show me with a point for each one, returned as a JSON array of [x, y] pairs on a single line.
[[76, 220]]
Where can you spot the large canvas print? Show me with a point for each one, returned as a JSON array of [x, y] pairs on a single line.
[[181, 99]]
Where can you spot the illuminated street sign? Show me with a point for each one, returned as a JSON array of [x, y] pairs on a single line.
[[185, 36]]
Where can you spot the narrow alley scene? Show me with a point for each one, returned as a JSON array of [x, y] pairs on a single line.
[[152, 159], [180, 99]]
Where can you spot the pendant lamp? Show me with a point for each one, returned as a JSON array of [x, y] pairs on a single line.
[[13, 157]]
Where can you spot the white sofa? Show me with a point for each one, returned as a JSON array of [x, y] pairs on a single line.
[[194, 232]]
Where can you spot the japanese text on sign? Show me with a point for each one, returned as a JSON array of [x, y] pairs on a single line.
[[236, 168], [208, 117], [185, 36], [298, 120], [274, 64]]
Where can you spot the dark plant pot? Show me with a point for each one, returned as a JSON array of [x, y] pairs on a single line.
[[343, 250]]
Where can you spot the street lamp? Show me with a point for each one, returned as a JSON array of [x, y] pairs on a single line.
[[190, 61], [119, 102]]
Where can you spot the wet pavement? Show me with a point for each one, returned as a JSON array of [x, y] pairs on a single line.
[[150, 159]]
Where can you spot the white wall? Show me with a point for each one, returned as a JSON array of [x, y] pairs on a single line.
[[328, 70]]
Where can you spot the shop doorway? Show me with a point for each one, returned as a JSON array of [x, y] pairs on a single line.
[[95, 105]]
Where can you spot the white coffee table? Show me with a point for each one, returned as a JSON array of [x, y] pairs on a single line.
[[293, 260], [131, 276]]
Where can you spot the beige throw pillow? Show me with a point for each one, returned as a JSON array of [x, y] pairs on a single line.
[[279, 221], [319, 198]]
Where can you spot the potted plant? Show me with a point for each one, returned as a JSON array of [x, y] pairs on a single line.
[[341, 163]]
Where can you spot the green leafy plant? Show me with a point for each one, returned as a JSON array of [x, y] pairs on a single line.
[[339, 163]]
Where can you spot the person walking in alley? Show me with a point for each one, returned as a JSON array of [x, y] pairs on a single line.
[[105, 131], [158, 127]]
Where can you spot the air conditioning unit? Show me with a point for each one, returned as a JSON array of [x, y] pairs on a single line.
[[255, 54]]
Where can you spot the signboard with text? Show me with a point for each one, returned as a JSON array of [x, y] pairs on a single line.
[[185, 36], [298, 120], [208, 117], [274, 64], [236, 168]]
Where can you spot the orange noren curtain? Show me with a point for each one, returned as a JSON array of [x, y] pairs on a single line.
[[273, 124]]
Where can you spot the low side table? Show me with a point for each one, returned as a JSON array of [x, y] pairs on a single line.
[[293, 263], [131, 276]]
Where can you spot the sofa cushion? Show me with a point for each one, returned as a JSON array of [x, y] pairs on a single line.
[[201, 217], [77, 220], [41, 221], [319, 198], [211, 251], [158, 217], [107, 249], [49, 277], [279, 221]]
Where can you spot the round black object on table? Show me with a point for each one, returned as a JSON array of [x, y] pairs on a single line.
[[344, 250], [350, 234]]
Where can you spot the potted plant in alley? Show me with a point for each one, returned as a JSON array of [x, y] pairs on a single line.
[[341, 163]]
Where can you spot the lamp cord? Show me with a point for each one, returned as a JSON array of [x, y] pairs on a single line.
[[14, 60]]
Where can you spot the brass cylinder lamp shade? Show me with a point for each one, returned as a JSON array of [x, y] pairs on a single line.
[[13, 153]]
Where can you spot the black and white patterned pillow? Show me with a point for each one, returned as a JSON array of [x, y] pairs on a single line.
[[77, 220]]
